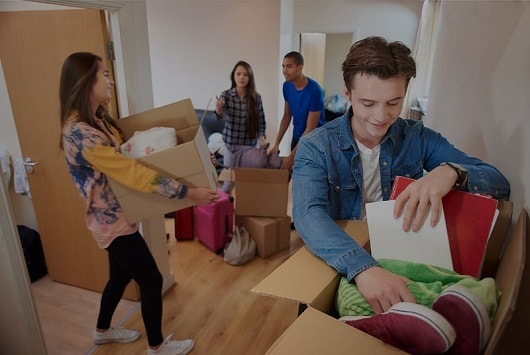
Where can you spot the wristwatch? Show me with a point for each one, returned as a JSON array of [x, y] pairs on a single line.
[[461, 180]]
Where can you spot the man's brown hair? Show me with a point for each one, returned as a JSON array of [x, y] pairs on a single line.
[[376, 56]]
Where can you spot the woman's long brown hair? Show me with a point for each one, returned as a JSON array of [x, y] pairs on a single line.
[[252, 101], [78, 76]]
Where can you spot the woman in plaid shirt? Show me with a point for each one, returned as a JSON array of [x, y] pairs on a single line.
[[242, 108]]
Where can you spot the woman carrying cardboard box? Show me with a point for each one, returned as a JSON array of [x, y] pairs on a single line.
[[91, 143]]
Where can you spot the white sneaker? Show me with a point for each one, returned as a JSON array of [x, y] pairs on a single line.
[[115, 335], [173, 347]]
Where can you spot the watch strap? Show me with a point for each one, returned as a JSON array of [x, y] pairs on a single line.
[[460, 171]]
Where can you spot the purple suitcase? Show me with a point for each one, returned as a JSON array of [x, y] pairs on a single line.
[[213, 222]]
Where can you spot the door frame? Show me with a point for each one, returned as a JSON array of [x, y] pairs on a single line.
[[27, 334]]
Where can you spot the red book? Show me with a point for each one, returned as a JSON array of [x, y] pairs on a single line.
[[469, 219]]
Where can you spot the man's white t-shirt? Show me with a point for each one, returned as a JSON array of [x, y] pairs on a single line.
[[371, 175]]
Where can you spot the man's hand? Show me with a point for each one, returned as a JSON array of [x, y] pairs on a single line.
[[382, 289], [288, 162], [274, 149], [424, 194]]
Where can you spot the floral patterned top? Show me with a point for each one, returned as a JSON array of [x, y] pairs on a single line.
[[92, 156]]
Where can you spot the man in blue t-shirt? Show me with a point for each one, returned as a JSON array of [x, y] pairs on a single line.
[[304, 104]]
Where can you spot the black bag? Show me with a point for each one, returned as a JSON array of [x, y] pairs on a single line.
[[33, 253]]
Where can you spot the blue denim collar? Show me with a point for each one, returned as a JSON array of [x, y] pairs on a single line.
[[346, 139]]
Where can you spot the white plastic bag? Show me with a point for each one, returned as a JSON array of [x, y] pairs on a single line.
[[241, 247]]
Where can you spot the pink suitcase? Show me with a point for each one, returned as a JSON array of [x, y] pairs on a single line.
[[214, 221]]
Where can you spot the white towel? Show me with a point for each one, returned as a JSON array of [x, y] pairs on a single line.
[[21, 179]]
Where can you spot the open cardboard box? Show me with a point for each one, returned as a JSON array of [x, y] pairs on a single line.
[[259, 192], [306, 279], [188, 162], [271, 234]]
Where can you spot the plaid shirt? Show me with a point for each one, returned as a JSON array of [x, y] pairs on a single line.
[[235, 115]]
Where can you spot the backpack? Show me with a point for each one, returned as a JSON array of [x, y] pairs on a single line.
[[33, 253]]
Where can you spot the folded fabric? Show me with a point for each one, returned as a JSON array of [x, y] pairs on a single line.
[[427, 282], [154, 139], [20, 179], [253, 157], [216, 143]]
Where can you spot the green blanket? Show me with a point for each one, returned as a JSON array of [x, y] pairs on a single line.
[[427, 282]]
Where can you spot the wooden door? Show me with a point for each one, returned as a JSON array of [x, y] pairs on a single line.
[[33, 46]]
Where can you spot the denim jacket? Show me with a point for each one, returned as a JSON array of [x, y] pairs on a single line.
[[327, 182]]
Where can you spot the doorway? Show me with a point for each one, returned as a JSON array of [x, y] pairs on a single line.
[[323, 56], [33, 46]]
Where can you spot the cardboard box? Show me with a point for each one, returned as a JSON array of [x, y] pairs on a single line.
[[306, 279], [259, 192], [188, 162], [271, 234], [492, 255]]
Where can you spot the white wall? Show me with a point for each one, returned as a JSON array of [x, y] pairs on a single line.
[[194, 46], [479, 96], [394, 20]]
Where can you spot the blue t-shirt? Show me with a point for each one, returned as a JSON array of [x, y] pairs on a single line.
[[301, 102]]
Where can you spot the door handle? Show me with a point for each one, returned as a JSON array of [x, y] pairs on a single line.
[[30, 165]]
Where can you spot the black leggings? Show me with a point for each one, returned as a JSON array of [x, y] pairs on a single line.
[[130, 258]]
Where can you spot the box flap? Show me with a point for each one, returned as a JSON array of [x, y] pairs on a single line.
[[201, 147], [306, 278], [188, 162], [496, 241], [317, 333], [301, 278], [185, 162], [179, 115], [264, 176], [509, 280]]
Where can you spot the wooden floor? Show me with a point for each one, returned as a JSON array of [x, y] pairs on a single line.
[[211, 303], [68, 315]]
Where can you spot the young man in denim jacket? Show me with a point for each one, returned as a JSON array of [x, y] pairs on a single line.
[[355, 158]]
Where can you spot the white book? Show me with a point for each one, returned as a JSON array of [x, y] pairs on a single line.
[[429, 245]]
